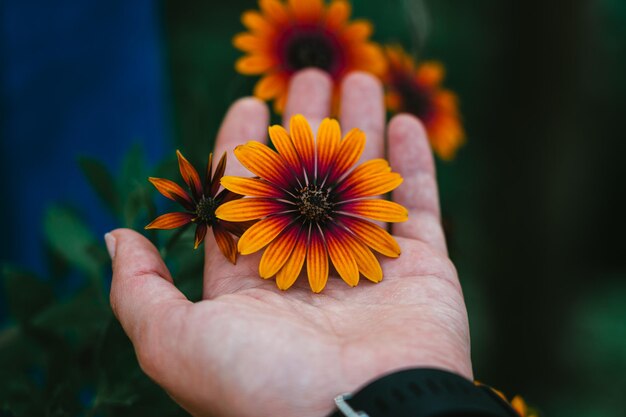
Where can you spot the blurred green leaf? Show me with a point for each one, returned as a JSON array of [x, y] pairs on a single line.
[[102, 182], [78, 319], [27, 295], [72, 239], [133, 170]]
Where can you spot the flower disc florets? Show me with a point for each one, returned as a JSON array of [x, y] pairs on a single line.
[[205, 210], [314, 203]]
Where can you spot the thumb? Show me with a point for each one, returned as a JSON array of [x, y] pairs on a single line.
[[142, 291]]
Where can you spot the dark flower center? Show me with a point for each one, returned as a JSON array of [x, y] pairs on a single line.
[[415, 99], [310, 48], [314, 203], [205, 210]]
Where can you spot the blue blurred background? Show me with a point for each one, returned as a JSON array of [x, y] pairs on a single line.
[[78, 78], [534, 202]]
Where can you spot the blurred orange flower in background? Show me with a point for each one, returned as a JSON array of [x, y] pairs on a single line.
[[286, 37], [416, 89]]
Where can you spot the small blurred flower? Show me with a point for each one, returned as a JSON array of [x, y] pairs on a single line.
[[416, 89], [517, 403], [311, 206], [286, 37], [200, 203], [522, 409]]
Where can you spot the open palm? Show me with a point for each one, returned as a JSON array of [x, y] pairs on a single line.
[[250, 349]]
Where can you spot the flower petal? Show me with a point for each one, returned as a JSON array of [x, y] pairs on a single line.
[[274, 10], [217, 176], [306, 10], [382, 210], [173, 191], [302, 137], [207, 175], [255, 21], [430, 74], [375, 185], [337, 14], [246, 209], [317, 262], [358, 31], [248, 42], [369, 179], [262, 233], [373, 167], [279, 251], [264, 162], [225, 242], [190, 175], [365, 259], [171, 221], [342, 258], [252, 187], [372, 235], [236, 228], [290, 271], [280, 102], [350, 150], [254, 64], [201, 229], [285, 147], [328, 138], [270, 86]]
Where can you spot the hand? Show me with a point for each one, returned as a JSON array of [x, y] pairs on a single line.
[[249, 349]]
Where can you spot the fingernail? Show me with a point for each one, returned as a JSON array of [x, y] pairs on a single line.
[[109, 239]]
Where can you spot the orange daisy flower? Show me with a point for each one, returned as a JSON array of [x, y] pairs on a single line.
[[416, 89], [311, 206], [200, 203], [286, 37]]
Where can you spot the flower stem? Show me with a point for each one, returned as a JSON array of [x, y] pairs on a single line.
[[172, 240]]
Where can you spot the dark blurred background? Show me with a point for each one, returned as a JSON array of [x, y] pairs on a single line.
[[534, 202]]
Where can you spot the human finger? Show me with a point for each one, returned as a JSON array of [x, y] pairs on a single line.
[[246, 119], [310, 94], [410, 154], [143, 296], [362, 107]]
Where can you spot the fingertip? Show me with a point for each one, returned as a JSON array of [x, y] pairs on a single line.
[[310, 94], [141, 285], [403, 124], [408, 144], [133, 250], [251, 106], [362, 106], [360, 80], [304, 78], [246, 119]]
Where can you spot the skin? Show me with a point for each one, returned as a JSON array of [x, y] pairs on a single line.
[[249, 349]]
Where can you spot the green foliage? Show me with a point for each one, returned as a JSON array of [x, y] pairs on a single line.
[[63, 353]]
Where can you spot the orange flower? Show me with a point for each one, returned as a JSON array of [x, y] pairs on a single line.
[[519, 405], [284, 38], [200, 203], [311, 206], [417, 90]]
